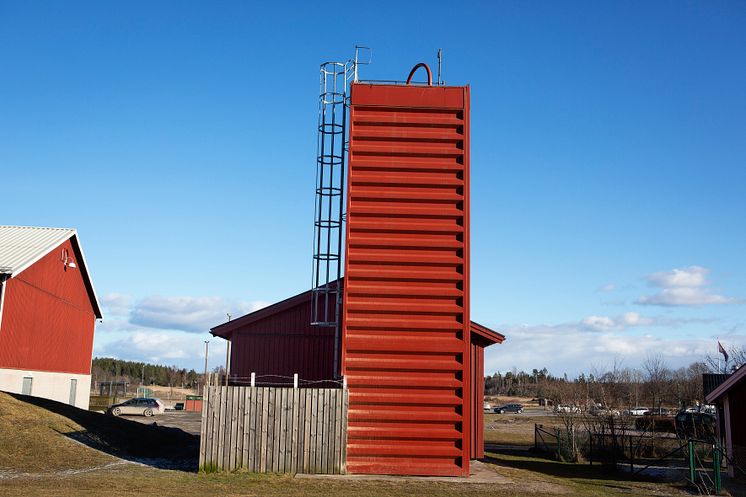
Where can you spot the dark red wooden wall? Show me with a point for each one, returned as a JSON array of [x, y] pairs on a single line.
[[48, 319], [280, 344], [477, 394], [737, 402]]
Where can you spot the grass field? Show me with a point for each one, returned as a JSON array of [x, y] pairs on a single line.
[[515, 429], [41, 456]]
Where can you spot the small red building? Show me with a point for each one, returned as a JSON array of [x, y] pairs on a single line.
[[730, 397], [48, 309], [278, 341]]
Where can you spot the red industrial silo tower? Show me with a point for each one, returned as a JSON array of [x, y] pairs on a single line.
[[405, 327]]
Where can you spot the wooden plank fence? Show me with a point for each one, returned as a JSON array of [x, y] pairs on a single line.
[[274, 430]]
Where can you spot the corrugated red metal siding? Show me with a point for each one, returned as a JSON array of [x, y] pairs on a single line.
[[283, 344], [48, 320], [406, 349]]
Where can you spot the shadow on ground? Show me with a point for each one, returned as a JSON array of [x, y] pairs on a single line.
[[149, 444], [524, 458]]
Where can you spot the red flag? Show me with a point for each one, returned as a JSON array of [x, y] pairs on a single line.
[[722, 351]]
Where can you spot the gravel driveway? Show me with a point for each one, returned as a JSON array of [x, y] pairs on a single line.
[[186, 421]]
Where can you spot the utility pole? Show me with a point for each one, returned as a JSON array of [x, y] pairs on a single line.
[[227, 354], [142, 382], [204, 382]]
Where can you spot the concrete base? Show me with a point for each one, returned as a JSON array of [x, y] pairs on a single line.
[[53, 386]]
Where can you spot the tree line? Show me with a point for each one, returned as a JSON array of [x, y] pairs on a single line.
[[133, 372], [616, 386]]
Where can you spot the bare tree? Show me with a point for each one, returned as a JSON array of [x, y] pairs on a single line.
[[657, 374], [736, 359], [567, 397]]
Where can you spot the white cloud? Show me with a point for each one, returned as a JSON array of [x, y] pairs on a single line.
[[190, 314], [685, 297], [626, 320], [636, 319], [166, 330], [683, 287], [692, 276], [116, 304], [571, 349], [163, 347], [609, 287], [599, 323], [116, 325]]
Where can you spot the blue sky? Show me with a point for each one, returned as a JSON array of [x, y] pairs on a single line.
[[608, 158]]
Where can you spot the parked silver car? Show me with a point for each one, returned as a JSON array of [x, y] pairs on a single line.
[[138, 406], [639, 411], [567, 408]]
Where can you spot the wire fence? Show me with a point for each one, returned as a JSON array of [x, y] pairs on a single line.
[[276, 380], [669, 455]]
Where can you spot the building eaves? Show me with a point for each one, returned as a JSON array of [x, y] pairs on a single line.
[[491, 336], [22, 246], [721, 390]]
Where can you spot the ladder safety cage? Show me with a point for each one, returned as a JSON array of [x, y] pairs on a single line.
[[329, 205]]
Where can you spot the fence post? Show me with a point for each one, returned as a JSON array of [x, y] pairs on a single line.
[[716, 467], [590, 447], [295, 380], [536, 438], [559, 445], [692, 474], [253, 379], [631, 455]]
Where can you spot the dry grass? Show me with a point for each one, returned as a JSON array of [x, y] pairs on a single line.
[[43, 435], [35, 439], [171, 393], [137, 481], [32, 439], [515, 429]]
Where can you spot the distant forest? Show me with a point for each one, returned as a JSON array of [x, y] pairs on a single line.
[[109, 369], [654, 384], [616, 386]]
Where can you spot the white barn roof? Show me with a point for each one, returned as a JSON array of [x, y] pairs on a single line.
[[22, 246]]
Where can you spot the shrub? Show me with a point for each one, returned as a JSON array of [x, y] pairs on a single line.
[[656, 423]]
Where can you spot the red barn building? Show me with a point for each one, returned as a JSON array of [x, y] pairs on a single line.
[[48, 309]]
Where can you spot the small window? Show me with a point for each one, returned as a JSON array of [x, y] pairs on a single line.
[[27, 384], [73, 391]]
